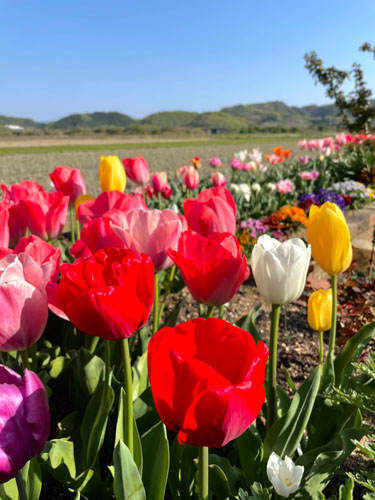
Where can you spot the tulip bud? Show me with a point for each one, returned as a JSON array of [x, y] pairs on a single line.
[[280, 269], [319, 310], [218, 179], [111, 174], [159, 181], [284, 475], [137, 170], [328, 234]]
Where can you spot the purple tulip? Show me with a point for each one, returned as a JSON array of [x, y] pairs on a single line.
[[24, 420]]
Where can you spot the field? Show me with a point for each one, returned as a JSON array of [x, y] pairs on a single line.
[[35, 158]]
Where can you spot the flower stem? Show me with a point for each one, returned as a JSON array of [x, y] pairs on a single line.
[[21, 486], [129, 440], [78, 228], [272, 366], [25, 359], [107, 360], [329, 371], [156, 304], [93, 344], [160, 202], [168, 287], [210, 311], [321, 352], [203, 473], [72, 225], [221, 311]]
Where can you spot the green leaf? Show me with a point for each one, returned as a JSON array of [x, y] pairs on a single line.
[[33, 478], [250, 449], [94, 422], [351, 352], [172, 318], [218, 482], [86, 372], [127, 483], [224, 478], [121, 431], [182, 470], [140, 375], [346, 490], [58, 455], [155, 449], [247, 322], [286, 433], [57, 366]]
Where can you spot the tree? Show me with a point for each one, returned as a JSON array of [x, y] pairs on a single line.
[[356, 108]]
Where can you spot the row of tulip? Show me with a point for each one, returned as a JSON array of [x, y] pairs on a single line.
[[206, 376]]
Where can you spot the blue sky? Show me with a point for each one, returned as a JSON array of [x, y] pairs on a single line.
[[143, 56]]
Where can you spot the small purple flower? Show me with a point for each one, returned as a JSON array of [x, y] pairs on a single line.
[[303, 159]]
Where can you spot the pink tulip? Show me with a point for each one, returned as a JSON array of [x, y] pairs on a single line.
[[218, 179], [17, 192], [328, 142], [309, 176], [190, 177], [23, 298], [152, 233], [159, 181], [166, 192], [341, 139], [302, 144], [24, 420], [214, 210], [95, 235], [45, 213], [284, 186], [303, 160], [235, 164], [311, 145], [215, 162], [4, 225], [69, 181], [137, 170], [93, 209]]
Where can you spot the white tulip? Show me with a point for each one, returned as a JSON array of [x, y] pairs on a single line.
[[284, 475], [241, 155], [234, 188], [271, 186], [244, 190], [256, 187], [280, 269]]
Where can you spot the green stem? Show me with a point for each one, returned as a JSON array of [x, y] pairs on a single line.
[[156, 304], [107, 360], [144, 194], [25, 359], [2, 491], [78, 229], [21, 486], [129, 440], [329, 371], [321, 352], [203, 472], [72, 225], [272, 367], [33, 357], [93, 344], [167, 291], [221, 311], [160, 202], [201, 310], [210, 311]]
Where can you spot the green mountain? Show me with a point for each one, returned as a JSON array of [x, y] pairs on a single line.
[[170, 119], [92, 120], [219, 120]]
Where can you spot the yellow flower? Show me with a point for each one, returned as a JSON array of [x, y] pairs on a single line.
[[111, 174], [329, 237], [319, 310], [81, 199]]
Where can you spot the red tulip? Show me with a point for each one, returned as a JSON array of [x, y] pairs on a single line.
[[159, 181], [218, 179], [214, 210], [166, 192], [4, 225], [93, 209], [109, 294], [24, 420], [152, 233], [207, 380], [23, 299], [45, 213], [137, 170], [212, 268], [95, 235], [190, 177], [69, 181]]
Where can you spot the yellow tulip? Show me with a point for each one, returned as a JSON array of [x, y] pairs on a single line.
[[329, 237], [81, 199], [319, 310], [111, 174]]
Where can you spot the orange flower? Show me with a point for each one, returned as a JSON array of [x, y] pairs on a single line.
[[196, 162], [286, 153], [278, 151]]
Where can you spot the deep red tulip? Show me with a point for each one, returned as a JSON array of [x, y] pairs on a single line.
[[212, 268], [152, 233], [94, 209], [69, 181], [207, 380], [166, 192], [214, 210], [45, 213], [137, 170], [24, 420], [23, 299], [95, 235], [109, 294]]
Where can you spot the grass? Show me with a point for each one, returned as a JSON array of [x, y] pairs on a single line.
[[63, 148]]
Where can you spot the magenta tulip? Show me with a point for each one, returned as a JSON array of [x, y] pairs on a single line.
[[24, 420], [152, 233], [94, 209], [69, 181], [23, 298], [214, 210], [137, 170]]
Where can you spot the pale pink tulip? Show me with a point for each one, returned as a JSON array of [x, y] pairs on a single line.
[[284, 186], [218, 179], [302, 144], [309, 176], [152, 233], [24, 303]]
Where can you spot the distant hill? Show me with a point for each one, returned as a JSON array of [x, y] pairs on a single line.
[[235, 118], [92, 120]]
